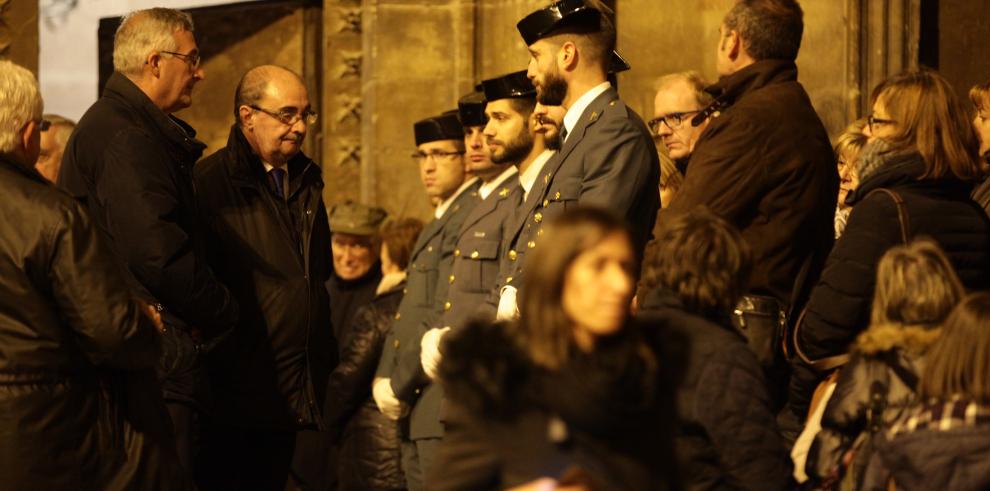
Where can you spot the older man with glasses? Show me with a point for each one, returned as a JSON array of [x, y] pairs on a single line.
[[262, 200], [130, 160]]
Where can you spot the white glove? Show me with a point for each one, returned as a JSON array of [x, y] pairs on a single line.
[[429, 353], [507, 308], [388, 404]]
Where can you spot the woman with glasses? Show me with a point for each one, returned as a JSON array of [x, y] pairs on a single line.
[[916, 173], [573, 387]]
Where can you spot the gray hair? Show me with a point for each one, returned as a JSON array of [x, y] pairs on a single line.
[[144, 31], [695, 81], [61, 126], [20, 102]]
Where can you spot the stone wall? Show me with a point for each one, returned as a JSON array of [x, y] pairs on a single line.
[[19, 33]]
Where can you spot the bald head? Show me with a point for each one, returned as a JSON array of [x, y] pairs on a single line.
[[273, 111]]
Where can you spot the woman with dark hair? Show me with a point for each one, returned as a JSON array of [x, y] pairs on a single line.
[[916, 288], [367, 436], [944, 443], [572, 384], [916, 173], [727, 437]]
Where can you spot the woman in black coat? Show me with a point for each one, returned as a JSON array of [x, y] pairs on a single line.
[[368, 441], [571, 388], [923, 148], [727, 437]]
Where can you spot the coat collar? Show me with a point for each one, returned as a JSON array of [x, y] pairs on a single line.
[[29, 172], [175, 130], [247, 170], [732, 87]]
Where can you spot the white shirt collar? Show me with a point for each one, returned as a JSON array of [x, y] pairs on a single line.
[[577, 109], [486, 189], [442, 207], [528, 178]]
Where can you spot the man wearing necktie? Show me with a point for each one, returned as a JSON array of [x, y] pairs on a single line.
[[262, 201]]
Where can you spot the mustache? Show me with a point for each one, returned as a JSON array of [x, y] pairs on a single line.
[[543, 119]]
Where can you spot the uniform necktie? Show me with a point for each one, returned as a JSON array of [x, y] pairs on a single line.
[[277, 176], [563, 134]]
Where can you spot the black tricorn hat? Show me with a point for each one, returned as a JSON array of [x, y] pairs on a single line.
[[617, 63], [471, 109], [443, 127], [514, 85], [563, 13]]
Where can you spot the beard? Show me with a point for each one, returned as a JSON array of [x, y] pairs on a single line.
[[553, 90], [515, 150]]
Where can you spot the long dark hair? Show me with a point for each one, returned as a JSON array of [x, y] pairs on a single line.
[[544, 330]]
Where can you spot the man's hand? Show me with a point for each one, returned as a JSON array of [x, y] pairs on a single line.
[[152, 313], [388, 404], [429, 354]]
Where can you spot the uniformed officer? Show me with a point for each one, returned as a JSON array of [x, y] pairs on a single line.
[[607, 157], [440, 154]]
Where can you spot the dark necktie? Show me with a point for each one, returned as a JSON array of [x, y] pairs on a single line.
[[563, 134], [277, 175]]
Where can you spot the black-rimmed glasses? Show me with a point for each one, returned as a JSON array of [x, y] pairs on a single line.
[[672, 120], [289, 117], [192, 59]]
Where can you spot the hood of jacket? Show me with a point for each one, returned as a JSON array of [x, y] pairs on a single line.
[[914, 340]]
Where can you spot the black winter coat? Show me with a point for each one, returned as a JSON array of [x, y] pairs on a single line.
[[727, 437], [941, 209], [271, 371], [508, 422], [368, 456], [131, 164], [947, 460], [72, 346], [347, 297]]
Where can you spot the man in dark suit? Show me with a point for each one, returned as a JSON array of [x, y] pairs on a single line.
[[607, 157], [440, 151], [270, 239]]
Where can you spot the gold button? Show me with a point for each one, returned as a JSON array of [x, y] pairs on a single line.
[[457, 252], [404, 291], [556, 195], [508, 280], [474, 255], [418, 391], [546, 202], [429, 248], [538, 217], [451, 279], [396, 344], [513, 255], [397, 316], [531, 244], [446, 306]]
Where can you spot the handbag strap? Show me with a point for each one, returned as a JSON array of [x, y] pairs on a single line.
[[902, 214]]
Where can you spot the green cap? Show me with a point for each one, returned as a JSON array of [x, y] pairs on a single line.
[[356, 219]]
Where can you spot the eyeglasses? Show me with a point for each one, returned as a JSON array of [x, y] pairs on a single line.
[[44, 124], [672, 120], [873, 121], [289, 117], [192, 59], [435, 155]]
